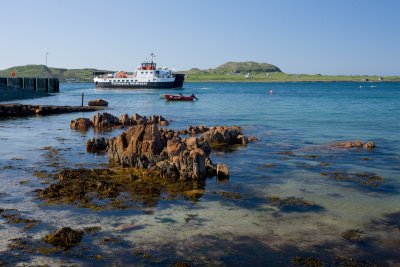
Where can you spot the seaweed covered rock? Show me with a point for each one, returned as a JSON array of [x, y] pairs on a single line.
[[224, 135], [81, 124], [97, 103], [117, 188], [64, 237], [354, 144]]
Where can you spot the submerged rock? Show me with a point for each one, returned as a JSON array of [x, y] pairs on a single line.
[[97, 103], [353, 235], [100, 189], [354, 144], [293, 204], [366, 179], [64, 237]]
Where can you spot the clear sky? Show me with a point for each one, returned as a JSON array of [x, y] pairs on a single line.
[[299, 36]]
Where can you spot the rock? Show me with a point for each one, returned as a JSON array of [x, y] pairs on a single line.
[[97, 103], [124, 120], [81, 124], [105, 120], [222, 171], [175, 146], [252, 139], [148, 147], [354, 144], [370, 145], [97, 145], [139, 146], [198, 163], [65, 238], [224, 135], [191, 143]]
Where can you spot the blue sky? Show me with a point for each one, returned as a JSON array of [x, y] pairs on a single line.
[[299, 36]]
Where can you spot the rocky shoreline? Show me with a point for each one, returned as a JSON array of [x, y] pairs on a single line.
[[20, 110]]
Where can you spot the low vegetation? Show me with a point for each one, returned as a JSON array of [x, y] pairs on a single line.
[[248, 71]]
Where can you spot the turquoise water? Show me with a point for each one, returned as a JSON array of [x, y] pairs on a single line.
[[298, 117]]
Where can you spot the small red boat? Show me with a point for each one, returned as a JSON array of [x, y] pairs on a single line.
[[180, 97]]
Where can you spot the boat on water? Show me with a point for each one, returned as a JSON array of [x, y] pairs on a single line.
[[147, 75], [180, 97]]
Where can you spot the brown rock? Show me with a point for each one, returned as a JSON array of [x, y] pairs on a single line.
[[191, 143], [370, 145], [81, 124], [97, 145], [139, 146], [97, 103], [224, 135], [222, 171], [105, 120], [124, 120], [175, 146]]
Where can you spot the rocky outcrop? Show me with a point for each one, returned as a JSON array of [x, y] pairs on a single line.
[[148, 147], [10, 110], [97, 103], [224, 135], [354, 144], [81, 124], [106, 121]]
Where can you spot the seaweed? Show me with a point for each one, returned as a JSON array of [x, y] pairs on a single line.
[[289, 204], [117, 188], [370, 180], [353, 236]]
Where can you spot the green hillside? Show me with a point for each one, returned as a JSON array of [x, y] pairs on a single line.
[[229, 72], [237, 68], [65, 75]]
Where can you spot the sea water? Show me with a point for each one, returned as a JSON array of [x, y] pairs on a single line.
[[294, 125]]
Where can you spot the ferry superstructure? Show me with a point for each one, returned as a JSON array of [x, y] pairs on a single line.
[[147, 75]]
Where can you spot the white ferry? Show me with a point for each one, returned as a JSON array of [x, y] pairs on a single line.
[[145, 76]]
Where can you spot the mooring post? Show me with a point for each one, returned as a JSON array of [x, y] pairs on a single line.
[[82, 99]]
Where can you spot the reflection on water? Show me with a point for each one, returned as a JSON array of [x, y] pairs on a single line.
[[288, 199]]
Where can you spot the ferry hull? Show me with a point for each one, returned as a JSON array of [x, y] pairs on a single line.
[[177, 83]]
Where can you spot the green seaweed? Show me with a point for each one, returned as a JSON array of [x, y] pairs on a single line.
[[353, 235], [307, 261]]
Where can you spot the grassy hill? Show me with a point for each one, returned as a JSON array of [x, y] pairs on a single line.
[[73, 75], [234, 68], [229, 72]]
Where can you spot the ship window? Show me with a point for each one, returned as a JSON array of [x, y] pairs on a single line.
[[135, 80], [147, 72], [142, 72], [151, 72]]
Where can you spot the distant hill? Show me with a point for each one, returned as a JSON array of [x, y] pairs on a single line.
[[73, 75], [238, 68]]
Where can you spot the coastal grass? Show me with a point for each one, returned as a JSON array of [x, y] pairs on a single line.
[[284, 77]]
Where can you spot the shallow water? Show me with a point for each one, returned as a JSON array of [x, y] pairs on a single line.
[[213, 230]]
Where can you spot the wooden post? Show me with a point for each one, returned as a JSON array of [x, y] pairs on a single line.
[[82, 98]]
